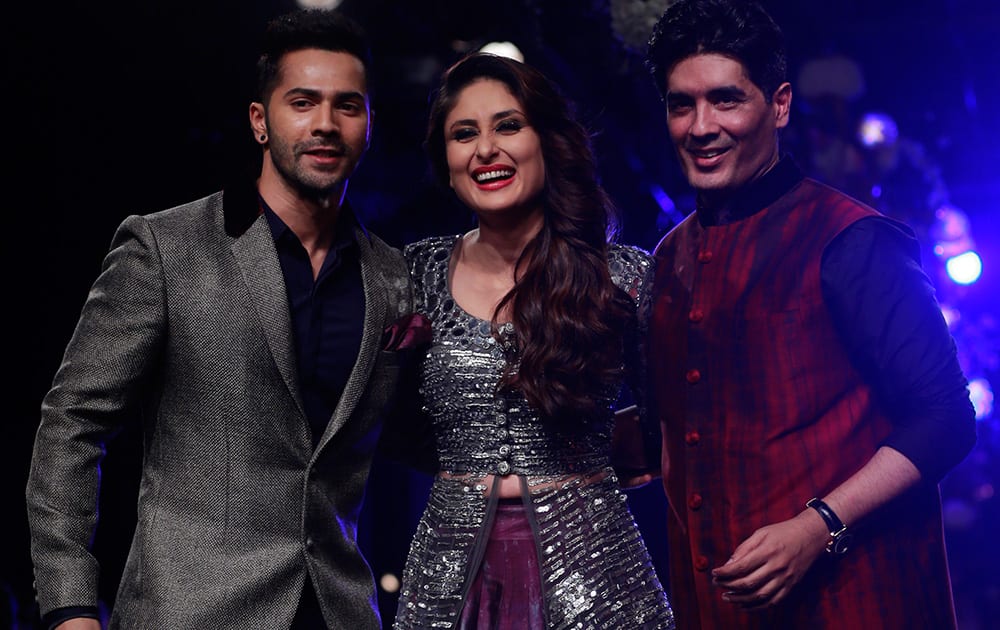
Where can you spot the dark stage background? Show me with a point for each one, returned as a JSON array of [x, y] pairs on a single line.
[[119, 108]]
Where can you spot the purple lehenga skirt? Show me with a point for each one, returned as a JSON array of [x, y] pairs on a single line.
[[506, 593]]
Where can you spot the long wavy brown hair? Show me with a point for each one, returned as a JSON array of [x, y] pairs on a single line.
[[569, 317]]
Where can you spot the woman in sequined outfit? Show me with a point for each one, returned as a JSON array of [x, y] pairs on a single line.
[[535, 329]]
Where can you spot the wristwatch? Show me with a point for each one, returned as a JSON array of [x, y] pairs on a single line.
[[840, 538]]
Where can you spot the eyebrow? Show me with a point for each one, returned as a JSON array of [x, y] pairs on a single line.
[[340, 96], [497, 116], [725, 91]]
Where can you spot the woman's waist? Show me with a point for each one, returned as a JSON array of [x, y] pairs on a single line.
[[513, 486], [521, 461]]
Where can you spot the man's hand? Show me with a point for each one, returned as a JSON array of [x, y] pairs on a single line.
[[628, 453], [79, 623], [635, 481], [766, 566]]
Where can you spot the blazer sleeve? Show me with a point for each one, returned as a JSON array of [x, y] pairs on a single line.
[[105, 369]]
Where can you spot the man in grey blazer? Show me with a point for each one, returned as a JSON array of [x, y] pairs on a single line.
[[244, 331]]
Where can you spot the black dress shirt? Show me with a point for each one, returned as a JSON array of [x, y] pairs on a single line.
[[327, 313]]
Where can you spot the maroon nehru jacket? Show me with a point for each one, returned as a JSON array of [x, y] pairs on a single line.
[[762, 409]]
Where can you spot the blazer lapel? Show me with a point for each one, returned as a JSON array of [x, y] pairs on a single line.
[[258, 261], [375, 309]]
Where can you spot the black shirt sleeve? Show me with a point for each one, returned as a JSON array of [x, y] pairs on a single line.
[[884, 309]]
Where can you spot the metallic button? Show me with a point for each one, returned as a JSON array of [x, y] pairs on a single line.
[[502, 434], [693, 376], [701, 563], [503, 467], [704, 256], [695, 501], [504, 450], [696, 315], [501, 419], [692, 438]]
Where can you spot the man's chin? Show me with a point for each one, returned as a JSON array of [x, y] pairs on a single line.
[[709, 183], [322, 189]]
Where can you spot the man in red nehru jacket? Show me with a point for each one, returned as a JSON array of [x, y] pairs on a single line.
[[805, 380]]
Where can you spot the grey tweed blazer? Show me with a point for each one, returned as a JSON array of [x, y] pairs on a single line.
[[187, 330]]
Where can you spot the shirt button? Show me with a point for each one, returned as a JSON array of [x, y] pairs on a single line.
[[504, 450], [704, 256], [503, 468], [695, 501], [701, 563], [692, 438], [696, 315], [693, 376]]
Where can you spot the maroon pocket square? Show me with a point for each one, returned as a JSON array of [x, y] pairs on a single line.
[[407, 332]]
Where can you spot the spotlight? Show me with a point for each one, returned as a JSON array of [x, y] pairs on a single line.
[[982, 397], [503, 49], [877, 129], [964, 268], [318, 4]]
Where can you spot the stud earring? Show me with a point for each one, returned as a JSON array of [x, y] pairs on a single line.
[[263, 137]]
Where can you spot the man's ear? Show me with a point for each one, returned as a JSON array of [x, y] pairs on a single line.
[[782, 102], [258, 122]]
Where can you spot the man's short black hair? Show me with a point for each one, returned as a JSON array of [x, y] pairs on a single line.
[[308, 28], [739, 29]]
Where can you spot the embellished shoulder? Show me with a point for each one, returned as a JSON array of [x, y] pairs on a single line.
[[427, 261], [631, 269]]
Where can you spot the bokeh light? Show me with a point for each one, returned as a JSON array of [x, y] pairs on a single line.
[[981, 393], [965, 268], [877, 129], [503, 49]]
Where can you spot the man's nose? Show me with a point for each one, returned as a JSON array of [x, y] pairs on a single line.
[[705, 122]]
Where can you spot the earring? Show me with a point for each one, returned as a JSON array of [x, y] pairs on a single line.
[[263, 137]]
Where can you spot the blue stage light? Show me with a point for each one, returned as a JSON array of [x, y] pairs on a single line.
[[981, 394], [964, 268], [876, 129]]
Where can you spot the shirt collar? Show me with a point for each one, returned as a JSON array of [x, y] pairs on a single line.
[[344, 234], [756, 195]]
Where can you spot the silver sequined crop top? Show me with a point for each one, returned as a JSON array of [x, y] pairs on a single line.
[[479, 430]]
